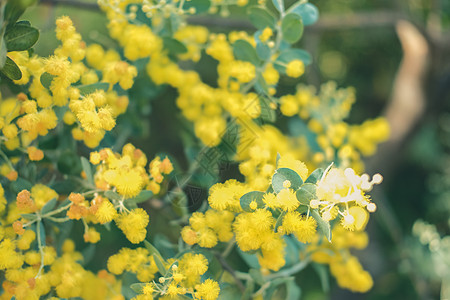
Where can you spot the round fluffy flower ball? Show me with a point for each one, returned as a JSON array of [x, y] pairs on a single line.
[[133, 224]]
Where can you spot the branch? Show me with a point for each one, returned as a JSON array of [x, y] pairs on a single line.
[[74, 3], [230, 270], [326, 22]]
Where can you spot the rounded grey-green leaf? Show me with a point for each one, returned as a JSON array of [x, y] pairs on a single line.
[[283, 174], [174, 46], [324, 226], [86, 89], [306, 193], [263, 51], [11, 70], [21, 37], [308, 12], [292, 28], [248, 198], [46, 79], [261, 17], [315, 176], [244, 51]]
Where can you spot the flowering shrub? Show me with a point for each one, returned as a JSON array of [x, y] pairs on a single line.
[[299, 199]]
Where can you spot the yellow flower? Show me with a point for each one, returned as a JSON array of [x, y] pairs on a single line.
[[295, 68], [207, 290], [105, 212], [306, 229], [266, 34], [129, 183], [287, 200], [91, 236], [133, 224]]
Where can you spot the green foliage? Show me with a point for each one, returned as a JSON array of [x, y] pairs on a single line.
[[284, 174]]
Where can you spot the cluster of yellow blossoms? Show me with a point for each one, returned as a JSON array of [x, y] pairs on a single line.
[[279, 201], [65, 274], [180, 276], [64, 80], [324, 114], [293, 204]]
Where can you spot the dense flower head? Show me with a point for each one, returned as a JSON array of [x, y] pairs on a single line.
[[133, 224]]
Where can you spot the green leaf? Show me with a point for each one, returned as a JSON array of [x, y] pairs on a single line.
[[13, 12], [293, 291], [41, 229], [249, 288], [49, 206], [21, 37], [152, 250], [278, 158], [174, 46], [21, 184], [263, 51], [306, 193], [292, 28], [249, 198], [112, 195], [11, 70], [261, 17], [87, 89], [308, 12], [201, 6], [315, 176], [87, 170], [324, 226], [46, 79], [29, 217], [244, 51], [2, 52], [228, 291], [274, 285], [279, 5], [24, 22], [137, 287], [88, 253], [142, 197], [283, 174], [321, 270], [159, 264], [267, 113]]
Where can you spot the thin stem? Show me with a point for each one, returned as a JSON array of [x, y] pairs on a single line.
[[3, 155], [54, 212], [233, 273], [41, 249], [229, 248]]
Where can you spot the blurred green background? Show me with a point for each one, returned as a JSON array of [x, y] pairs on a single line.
[[355, 43]]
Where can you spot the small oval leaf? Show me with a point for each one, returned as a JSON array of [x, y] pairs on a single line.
[[306, 193], [283, 174], [249, 198], [11, 70], [244, 51], [315, 176], [261, 17], [292, 28], [21, 37]]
